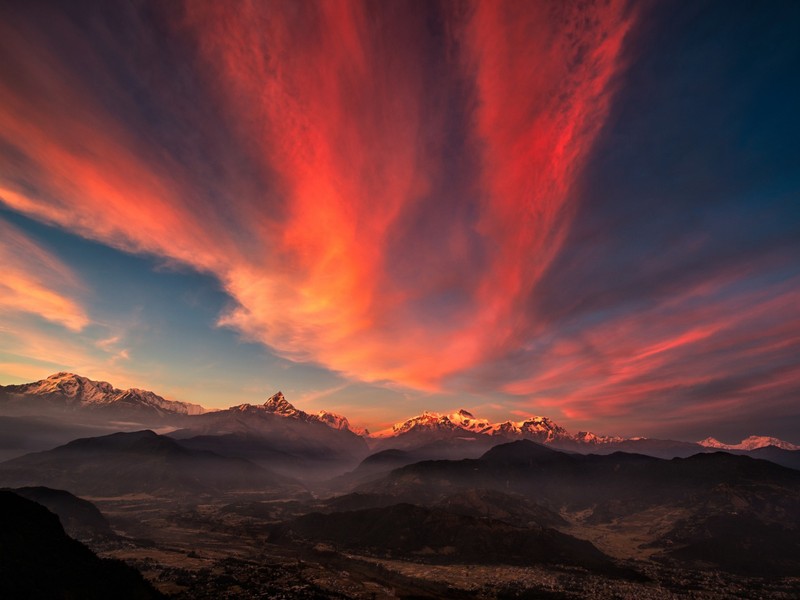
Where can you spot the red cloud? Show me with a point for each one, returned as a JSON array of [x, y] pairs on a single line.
[[346, 110]]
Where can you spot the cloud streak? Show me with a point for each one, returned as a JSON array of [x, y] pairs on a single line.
[[347, 111], [35, 281], [575, 204]]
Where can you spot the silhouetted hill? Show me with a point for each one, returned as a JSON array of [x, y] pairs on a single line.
[[785, 458], [80, 518], [714, 490], [356, 501], [647, 446], [38, 560], [294, 446], [139, 462], [556, 478], [436, 535], [509, 508], [736, 542]]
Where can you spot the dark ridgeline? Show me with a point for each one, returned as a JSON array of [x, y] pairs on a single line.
[[441, 536], [38, 560], [743, 513], [130, 463], [80, 518]]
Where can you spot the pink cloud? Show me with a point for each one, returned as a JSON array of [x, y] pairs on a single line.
[[35, 281], [342, 110]]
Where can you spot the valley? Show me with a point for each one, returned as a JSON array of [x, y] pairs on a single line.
[[269, 501], [213, 550]]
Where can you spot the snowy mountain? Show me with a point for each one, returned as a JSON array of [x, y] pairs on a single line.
[[277, 404], [752, 443], [431, 421], [335, 420], [70, 391], [463, 422]]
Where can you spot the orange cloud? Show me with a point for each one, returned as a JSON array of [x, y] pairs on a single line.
[[414, 169], [347, 124], [36, 282]]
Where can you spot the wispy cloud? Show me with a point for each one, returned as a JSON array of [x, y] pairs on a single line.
[[35, 281], [357, 251], [449, 197]]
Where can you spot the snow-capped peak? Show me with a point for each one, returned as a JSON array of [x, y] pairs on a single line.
[[427, 420], [278, 404], [466, 420], [333, 420], [540, 428], [751, 443], [79, 392], [587, 437]]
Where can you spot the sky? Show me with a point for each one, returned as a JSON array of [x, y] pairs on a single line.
[[583, 210]]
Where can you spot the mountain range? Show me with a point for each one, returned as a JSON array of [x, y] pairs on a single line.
[[735, 512], [754, 442], [441, 490], [279, 435], [70, 392]]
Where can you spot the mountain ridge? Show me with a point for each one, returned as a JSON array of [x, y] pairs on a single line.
[[754, 442], [78, 392], [71, 392]]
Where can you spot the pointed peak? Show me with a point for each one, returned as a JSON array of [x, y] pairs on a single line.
[[277, 397], [277, 403]]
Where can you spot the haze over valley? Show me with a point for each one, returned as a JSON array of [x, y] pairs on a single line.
[[268, 499]]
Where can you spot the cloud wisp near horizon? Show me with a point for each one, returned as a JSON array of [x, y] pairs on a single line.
[[587, 210]]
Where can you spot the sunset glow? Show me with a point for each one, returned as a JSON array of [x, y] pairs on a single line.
[[380, 206]]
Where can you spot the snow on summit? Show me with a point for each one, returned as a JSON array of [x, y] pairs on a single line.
[[751, 443], [79, 392], [538, 428]]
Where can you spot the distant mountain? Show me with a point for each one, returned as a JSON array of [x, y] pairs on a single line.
[[465, 433], [462, 422], [462, 425], [785, 458], [135, 463], [277, 432], [39, 560], [278, 405], [67, 392], [754, 442], [647, 446], [23, 435], [382, 462], [611, 482], [279, 435]]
